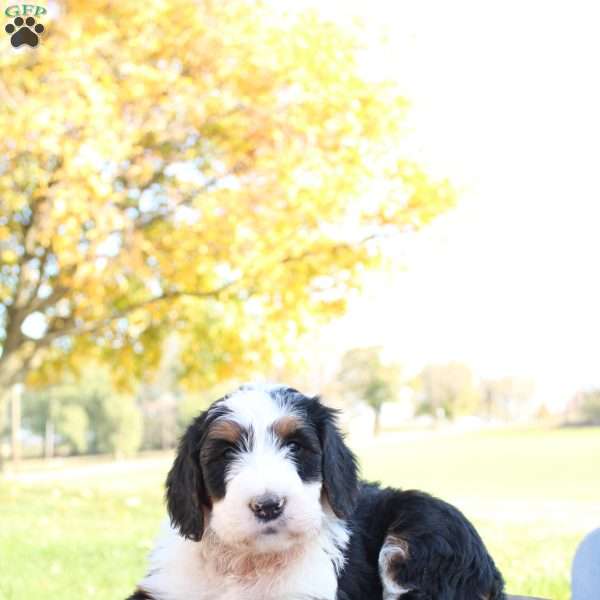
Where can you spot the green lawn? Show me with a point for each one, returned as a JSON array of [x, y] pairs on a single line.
[[85, 532], [532, 494]]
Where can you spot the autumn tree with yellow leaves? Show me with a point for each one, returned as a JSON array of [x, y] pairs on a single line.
[[220, 171]]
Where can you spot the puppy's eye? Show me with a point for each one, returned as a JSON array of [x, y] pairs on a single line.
[[228, 453], [293, 447]]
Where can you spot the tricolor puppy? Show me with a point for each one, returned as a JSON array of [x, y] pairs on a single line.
[[265, 504]]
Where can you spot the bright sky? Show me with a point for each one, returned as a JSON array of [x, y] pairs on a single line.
[[506, 101]]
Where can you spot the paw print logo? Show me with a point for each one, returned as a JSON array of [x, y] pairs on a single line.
[[24, 32]]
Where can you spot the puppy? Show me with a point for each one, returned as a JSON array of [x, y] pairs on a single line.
[[265, 504]]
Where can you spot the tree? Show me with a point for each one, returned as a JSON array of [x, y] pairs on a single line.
[[119, 431], [37, 417], [365, 376], [159, 397], [58, 412], [448, 390], [208, 176], [73, 425], [588, 402], [85, 414], [506, 396], [115, 420]]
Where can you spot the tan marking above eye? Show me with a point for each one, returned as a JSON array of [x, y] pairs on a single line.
[[229, 431], [285, 426]]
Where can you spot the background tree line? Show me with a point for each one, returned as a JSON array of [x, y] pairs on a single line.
[[448, 391], [87, 414]]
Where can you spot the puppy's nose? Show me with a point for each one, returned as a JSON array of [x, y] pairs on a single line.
[[267, 507]]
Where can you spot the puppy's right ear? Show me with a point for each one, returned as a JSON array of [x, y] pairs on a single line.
[[340, 472], [186, 493]]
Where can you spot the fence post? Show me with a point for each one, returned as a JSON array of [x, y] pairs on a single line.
[[15, 422]]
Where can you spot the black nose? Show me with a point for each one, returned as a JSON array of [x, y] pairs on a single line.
[[267, 507]]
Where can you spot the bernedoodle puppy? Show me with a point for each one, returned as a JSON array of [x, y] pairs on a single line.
[[265, 504]]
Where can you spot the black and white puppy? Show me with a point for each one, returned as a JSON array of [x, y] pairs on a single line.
[[265, 504]]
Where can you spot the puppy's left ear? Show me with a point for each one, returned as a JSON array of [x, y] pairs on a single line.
[[186, 493], [340, 472]]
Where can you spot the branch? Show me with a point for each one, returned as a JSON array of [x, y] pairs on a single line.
[[39, 304], [334, 247], [143, 223], [26, 256], [36, 288], [84, 329]]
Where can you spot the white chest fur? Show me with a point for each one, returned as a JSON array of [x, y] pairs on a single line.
[[181, 569]]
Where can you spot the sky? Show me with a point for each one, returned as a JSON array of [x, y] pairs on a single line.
[[505, 101]]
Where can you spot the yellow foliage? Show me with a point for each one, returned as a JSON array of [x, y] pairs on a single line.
[[200, 167]]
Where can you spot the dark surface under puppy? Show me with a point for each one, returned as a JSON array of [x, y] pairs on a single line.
[[380, 543]]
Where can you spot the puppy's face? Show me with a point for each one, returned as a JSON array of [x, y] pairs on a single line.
[[261, 468]]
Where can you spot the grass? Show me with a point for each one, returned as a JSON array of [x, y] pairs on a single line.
[[86, 530], [533, 494]]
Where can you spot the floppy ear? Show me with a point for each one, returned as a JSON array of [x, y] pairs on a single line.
[[186, 494], [340, 473]]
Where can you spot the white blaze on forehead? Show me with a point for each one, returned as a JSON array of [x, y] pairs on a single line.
[[265, 465], [257, 407]]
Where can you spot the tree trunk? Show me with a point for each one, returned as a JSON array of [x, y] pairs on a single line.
[[15, 422], [11, 376], [49, 439], [3, 409], [377, 421], [163, 430]]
